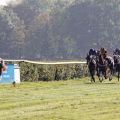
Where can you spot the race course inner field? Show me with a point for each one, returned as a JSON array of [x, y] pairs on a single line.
[[61, 100]]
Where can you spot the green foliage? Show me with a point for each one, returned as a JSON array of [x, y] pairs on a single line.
[[58, 29], [34, 72]]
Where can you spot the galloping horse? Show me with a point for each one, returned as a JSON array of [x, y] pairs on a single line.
[[105, 65], [91, 62], [2, 67], [100, 63], [101, 68], [110, 63], [117, 64]]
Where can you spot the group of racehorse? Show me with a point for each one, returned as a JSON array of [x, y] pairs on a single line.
[[101, 64]]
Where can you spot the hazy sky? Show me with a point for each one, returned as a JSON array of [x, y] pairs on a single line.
[[3, 2], [13, 2]]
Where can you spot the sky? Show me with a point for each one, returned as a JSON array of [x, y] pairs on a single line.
[[13, 2], [3, 2]]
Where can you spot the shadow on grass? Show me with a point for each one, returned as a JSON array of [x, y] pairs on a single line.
[[110, 83], [105, 81], [97, 82]]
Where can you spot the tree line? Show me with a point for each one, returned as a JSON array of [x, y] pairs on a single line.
[[58, 29]]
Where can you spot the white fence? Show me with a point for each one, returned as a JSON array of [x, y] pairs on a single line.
[[47, 63], [54, 69]]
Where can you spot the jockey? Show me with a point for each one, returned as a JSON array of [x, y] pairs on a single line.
[[92, 52], [116, 51], [110, 60], [97, 54]]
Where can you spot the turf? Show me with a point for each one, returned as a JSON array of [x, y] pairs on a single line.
[[61, 100]]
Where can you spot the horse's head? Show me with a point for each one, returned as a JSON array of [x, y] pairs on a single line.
[[102, 60], [116, 59]]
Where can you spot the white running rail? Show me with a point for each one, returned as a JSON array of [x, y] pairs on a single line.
[[46, 63]]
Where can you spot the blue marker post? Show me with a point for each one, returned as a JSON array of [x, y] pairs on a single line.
[[8, 75]]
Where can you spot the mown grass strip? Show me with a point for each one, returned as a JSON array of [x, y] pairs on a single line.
[[61, 100]]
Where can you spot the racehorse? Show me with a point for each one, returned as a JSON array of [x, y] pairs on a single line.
[[117, 65], [105, 67], [110, 64], [2, 67], [91, 62], [101, 68]]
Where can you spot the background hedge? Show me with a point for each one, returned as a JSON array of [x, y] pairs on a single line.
[[35, 72]]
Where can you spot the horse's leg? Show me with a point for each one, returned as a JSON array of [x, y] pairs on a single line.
[[100, 76], [0, 73], [105, 73], [97, 70], [111, 73], [118, 69], [99, 73], [92, 76], [112, 70], [118, 75]]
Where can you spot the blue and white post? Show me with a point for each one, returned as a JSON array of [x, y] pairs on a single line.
[[11, 74]]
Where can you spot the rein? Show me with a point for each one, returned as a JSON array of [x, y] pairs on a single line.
[[102, 65]]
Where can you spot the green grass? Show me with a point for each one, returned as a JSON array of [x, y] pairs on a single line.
[[63, 100]]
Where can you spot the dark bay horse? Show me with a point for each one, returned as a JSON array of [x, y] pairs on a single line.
[[117, 65], [101, 68], [105, 67], [2, 67], [91, 62]]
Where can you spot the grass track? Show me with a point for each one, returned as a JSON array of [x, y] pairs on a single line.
[[63, 100]]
